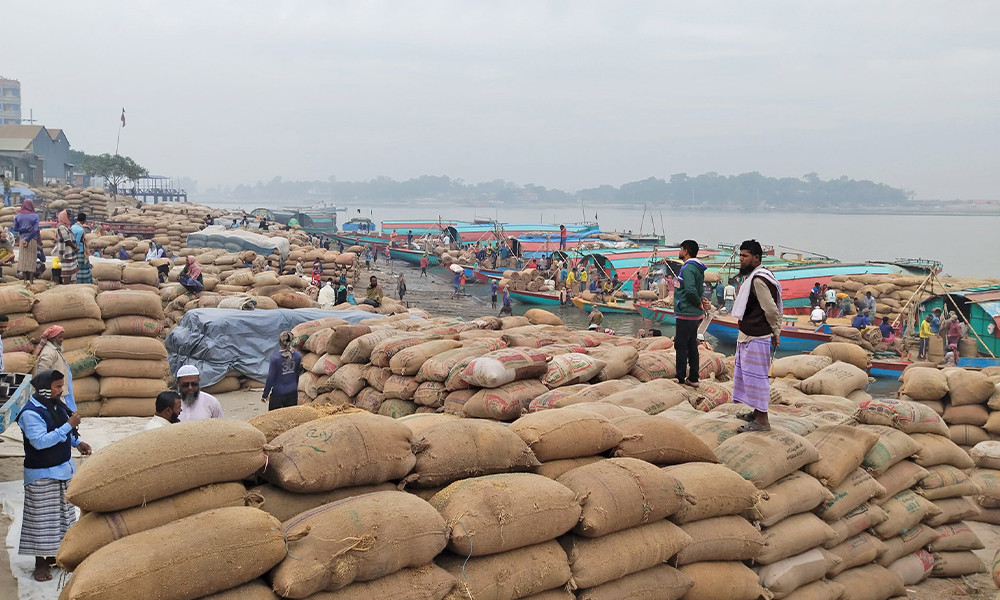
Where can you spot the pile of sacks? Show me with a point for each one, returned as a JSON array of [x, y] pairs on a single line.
[[527, 280], [171, 225], [92, 200], [967, 400], [488, 368], [335, 264], [112, 344], [892, 291]]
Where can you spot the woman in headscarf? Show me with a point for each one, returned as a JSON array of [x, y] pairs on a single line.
[[83, 274], [49, 356], [123, 254], [282, 385], [317, 272], [26, 228], [190, 276], [69, 254], [49, 429]]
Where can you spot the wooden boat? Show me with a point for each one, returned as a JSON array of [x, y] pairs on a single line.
[[793, 339], [624, 307], [413, 256], [482, 275], [663, 316], [539, 298]]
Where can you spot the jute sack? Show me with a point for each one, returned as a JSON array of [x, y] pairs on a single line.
[[901, 476], [96, 530], [792, 536], [276, 422], [566, 433], [766, 457], [923, 383], [128, 407], [344, 335], [496, 513], [839, 379], [538, 316], [383, 352], [400, 387], [841, 450], [437, 368], [571, 368], [409, 360], [855, 551], [504, 403], [844, 352], [661, 581], [619, 493], [858, 488], [595, 561], [60, 304], [202, 554], [377, 376], [610, 411], [870, 582], [802, 366], [913, 568], [427, 582], [75, 328], [119, 303], [988, 481], [654, 365], [892, 447], [548, 399], [790, 495], [956, 564], [119, 367], [327, 364], [86, 389], [359, 350], [554, 469], [618, 361], [946, 481], [317, 340], [939, 450], [14, 299], [509, 575], [958, 536], [716, 580], [140, 274], [907, 542], [986, 455], [908, 417], [396, 408], [968, 387], [430, 393], [659, 441], [357, 539], [166, 461], [254, 590], [504, 366], [858, 520], [714, 491], [138, 348], [81, 363], [954, 510], [721, 538], [322, 455], [968, 414], [421, 422], [349, 379], [456, 449], [18, 362], [787, 575], [596, 392], [20, 324], [284, 505], [131, 387]]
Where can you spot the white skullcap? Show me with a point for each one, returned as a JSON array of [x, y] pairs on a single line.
[[187, 371]]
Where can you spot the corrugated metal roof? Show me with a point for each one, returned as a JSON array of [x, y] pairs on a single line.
[[14, 144], [19, 132]]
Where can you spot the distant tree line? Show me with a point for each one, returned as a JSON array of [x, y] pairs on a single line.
[[749, 190], [115, 169]]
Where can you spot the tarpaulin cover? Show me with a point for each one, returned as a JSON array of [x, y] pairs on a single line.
[[218, 341], [236, 240]]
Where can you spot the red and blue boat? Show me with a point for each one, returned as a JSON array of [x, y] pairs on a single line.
[[793, 339], [656, 314]]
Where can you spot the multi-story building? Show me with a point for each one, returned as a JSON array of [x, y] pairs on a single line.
[[10, 101]]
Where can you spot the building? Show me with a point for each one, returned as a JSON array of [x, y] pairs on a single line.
[[10, 101], [34, 154]]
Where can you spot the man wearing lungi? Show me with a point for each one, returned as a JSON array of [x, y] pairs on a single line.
[[758, 309], [49, 429]]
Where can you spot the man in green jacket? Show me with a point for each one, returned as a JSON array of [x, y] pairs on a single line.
[[689, 308]]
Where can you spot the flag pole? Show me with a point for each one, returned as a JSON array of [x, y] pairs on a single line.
[[118, 142]]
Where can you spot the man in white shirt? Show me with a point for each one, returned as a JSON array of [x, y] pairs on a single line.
[[197, 405], [817, 316], [327, 295], [729, 295], [168, 410], [830, 297]]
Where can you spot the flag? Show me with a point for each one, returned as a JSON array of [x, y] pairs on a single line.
[[123, 117]]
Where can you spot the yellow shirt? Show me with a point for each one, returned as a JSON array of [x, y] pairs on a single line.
[[925, 329], [570, 278], [583, 277]]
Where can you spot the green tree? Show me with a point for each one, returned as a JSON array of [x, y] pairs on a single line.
[[114, 169]]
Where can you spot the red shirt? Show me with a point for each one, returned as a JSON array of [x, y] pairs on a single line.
[[423, 261]]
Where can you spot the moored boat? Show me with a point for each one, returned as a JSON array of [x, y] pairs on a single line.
[[413, 256], [539, 298], [664, 316], [793, 339], [624, 307]]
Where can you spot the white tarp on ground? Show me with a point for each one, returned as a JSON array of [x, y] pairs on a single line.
[[236, 240]]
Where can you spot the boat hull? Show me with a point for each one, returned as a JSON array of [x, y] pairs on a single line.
[[726, 330], [663, 316], [622, 308], [537, 298], [413, 256]]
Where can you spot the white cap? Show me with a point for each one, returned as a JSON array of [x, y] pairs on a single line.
[[701, 337], [187, 371]]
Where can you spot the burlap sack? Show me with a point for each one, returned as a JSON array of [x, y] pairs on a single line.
[[787, 575], [714, 490], [968, 387], [596, 392], [858, 520], [132, 348], [429, 582], [891, 447], [946, 481], [131, 387], [870, 581], [913, 568], [923, 383], [199, 555], [284, 505], [661, 581], [958, 536], [986, 455], [349, 379], [858, 488], [802, 366], [908, 417], [96, 530], [65, 302], [496, 513], [907, 542], [400, 387], [766, 457], [323, 454], [792, 536], [513, 574], [254, 590], [790, 495], [619, 493], [119, 303], [844, 352], [410, 360], [716, 580], [721, 538], [554, 469], [437, 368], [901, 476], [383, 352], [506, 402], [571, 368], [357, 539], [461, 448], [566, 433], [954, 510], [660, 441], [654, 365], [359, 349], [939, 450], [841, 450], [504, 366], [618, 361], [595, 561], [162, 462], [118, 367], [839, 379], [855, 551]]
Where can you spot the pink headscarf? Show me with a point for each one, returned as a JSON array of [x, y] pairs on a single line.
[[192, 266], [48, 334], [27, 206], [63, 218]]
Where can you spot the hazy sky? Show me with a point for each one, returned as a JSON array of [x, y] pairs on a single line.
[[560, 94]]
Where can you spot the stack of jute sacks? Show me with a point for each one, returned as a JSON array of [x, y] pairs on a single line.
[[335, 264], [961, 396], [92, 200], [15, 302], [892, 291], [488, 368]]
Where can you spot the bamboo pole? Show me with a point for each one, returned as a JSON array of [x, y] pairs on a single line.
[[964, 318]]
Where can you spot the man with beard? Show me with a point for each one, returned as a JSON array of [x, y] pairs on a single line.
[[758, 309], [689, 308], [168, 410], [197, 405]]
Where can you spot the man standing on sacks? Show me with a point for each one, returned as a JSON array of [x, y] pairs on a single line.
[[758, 308]]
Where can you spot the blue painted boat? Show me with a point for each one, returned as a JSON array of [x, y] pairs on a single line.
[[623, 307], [538, 298], [413, 256], [482, 275], [793, 339], [663, 316]]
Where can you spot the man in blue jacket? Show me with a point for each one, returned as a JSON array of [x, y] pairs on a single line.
[[689, 308]]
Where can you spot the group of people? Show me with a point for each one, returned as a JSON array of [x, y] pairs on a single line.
[[948, 327], [70, 259]]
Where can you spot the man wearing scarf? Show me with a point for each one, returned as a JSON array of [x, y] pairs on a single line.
[[69, 254], [49, 429], [758, 308], [49, 355]]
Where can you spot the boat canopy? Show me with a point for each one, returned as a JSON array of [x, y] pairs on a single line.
[[623, 263], [981, 308]]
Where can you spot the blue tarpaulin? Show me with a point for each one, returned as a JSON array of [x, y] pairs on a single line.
[[218, 341]]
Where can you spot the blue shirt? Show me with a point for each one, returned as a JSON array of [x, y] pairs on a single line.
[[493, 290], [78, 233], [282, 375], [935, 324], [861, 321], [38, 435], [886, 329], [351, 299]]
